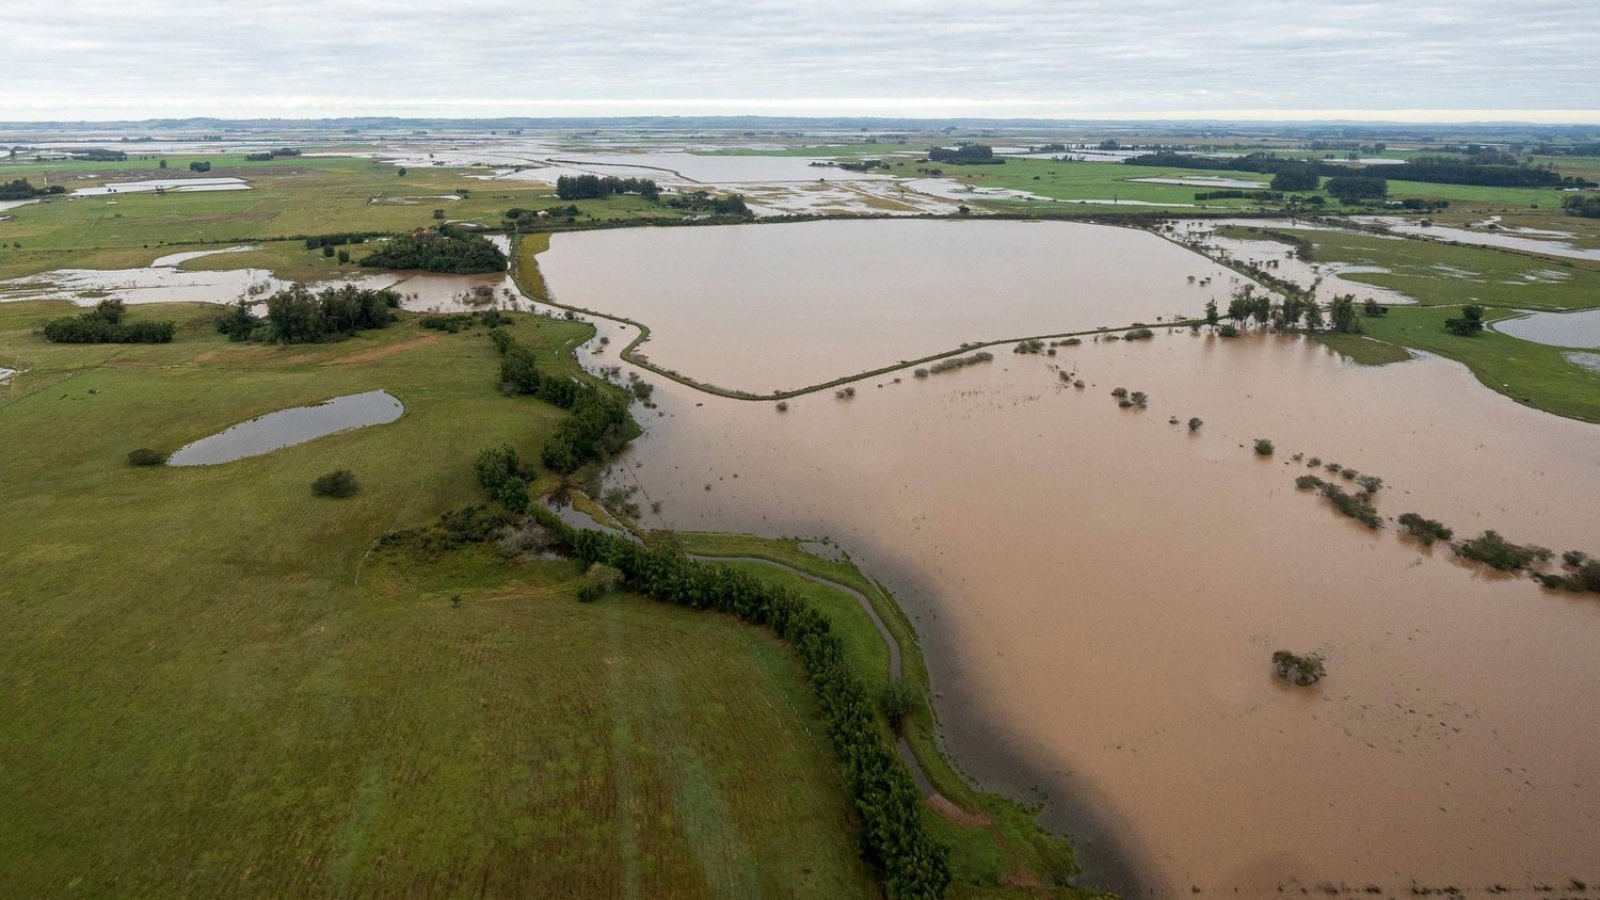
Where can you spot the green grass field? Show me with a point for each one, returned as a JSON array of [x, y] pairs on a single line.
[[212, 688], [1438, 273], [288, 198]]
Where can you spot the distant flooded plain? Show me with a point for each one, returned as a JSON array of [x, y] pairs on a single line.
[[1100, 592]]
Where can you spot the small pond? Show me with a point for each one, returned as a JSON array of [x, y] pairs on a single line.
[[1553, 329], [287, 427], [176, 185]]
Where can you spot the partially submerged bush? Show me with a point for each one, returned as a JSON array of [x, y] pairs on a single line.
[[1264, 447], [1496, 552], [1119, 392], [1195, 423], [1308, 482], [1032, 345], [1370, 483], [144, 456], [338, 483], [1425, 530], [1139, 334], [1297, 669], [956, 362], [1585, 578], [899, 701], [599, 581], [1228, 331], [1356, 506]]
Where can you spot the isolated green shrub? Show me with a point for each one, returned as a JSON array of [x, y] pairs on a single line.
[[338, 483], [144, 456]]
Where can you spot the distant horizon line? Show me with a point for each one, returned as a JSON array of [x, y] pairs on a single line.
[[1396, 117]]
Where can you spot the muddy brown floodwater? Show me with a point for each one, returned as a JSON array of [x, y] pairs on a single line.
[[1099, 593], [777, 307]]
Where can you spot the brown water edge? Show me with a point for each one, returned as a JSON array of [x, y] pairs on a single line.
[[1102, 590]]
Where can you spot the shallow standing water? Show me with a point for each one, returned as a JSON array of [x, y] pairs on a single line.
[[1571, 329], [777, 307], [288, 427], [1100, 591]]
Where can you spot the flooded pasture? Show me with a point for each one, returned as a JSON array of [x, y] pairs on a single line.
[[1100, 590], [1528, 240], [288, 427], [1568, 329], [777, 307], [175, 185]]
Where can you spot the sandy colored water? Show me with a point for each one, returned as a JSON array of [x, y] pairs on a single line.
[[1099, 593], [776, 307]]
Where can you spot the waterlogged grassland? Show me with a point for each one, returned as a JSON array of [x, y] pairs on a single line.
[[987, 858], [1529, 373], [1087, 181], [213, 688], [288, 198], [1437, 273]]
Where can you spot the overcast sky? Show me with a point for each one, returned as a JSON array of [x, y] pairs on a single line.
[[1534, 60]]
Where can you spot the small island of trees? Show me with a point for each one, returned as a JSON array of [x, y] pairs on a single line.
[[444, 249]]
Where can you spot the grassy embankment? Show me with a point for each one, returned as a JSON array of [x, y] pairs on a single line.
[[1442, 277], [212, 688], [289, 197], [1011, 847]]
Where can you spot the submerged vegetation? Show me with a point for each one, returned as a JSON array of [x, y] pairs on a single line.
[[1297, 669]]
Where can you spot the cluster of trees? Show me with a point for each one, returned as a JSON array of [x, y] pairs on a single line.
[[443, 250], [97, 154], [104, 325], [703, 201], [522, 219], [1487, 169], [270, 155], [454, 322], [299, 315], [966, 154], [599, 187], [1355, 188], [338, 239], [20, 189], [1232, 194], [894, 842], [1246, 304], [599, 425], [200, 166], [1587, 206], [501, 473], [1468, 324]]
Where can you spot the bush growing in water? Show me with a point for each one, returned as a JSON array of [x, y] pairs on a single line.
[[144, 456], [1195, 423], [1264, 447], [1425, 530], [1032, 345], [956, 362], [1139, 334], [338, 483], [1228, 330], [599, 581], [1496, 552], [1297, 669]]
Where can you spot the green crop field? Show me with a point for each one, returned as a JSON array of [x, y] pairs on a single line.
[[213, 686]]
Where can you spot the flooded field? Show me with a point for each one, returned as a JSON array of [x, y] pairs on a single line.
[[777, 307], [1530, 240], [288, 427], [1280, 257], [176, 185], [1573, 329], [1100, 591]]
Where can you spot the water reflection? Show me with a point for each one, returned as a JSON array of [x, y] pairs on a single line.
[[288, 427]]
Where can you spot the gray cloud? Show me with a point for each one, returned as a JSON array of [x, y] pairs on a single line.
[[92, 59]]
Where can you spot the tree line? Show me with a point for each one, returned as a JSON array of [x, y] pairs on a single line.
[[298, 314], [270, 155], [104, 325], [444, 249], [914, 865], [1489, 170], [599, 425], [966, 154], [599, 187], [20, 189]]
